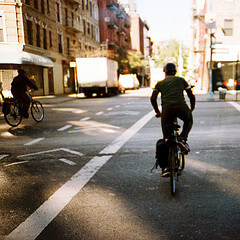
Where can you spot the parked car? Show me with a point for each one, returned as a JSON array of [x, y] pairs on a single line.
[[128, 81]]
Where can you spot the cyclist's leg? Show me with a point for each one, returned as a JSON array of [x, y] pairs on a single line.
[[25, 104], [184, 113], [168, 117]]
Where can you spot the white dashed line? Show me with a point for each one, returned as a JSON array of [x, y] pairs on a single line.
[[64, 128], [237, 106], [67, 161], [109, 109], [15, 163], [34, 141], [85, 119], [3, 156], [99, 113]]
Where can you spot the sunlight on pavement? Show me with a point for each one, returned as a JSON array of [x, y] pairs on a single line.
[[73, 110], [7, 134], [92, 127], [106, 214], [226, 180]]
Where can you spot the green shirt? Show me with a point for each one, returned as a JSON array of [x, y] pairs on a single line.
[[171, 89]]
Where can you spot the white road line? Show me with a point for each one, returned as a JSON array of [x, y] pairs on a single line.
[[117, 106], [35, 223], [3, 156], [34, 141], [64, 128], [15, 163], [121, 140], [85, 119], [53, 150], [109, 109], [234, 104], [67, 161], [99, 113]]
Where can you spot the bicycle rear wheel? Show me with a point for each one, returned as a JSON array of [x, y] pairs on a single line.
[[37, 111], [12, 115], [173, 172]]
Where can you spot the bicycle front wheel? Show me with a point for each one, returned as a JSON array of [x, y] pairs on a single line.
[[173, 172], [12, 115], [37, 111]]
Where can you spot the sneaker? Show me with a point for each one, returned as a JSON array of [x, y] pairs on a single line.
[[165, 173]]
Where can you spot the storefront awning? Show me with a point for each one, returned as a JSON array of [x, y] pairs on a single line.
[[20, 57]]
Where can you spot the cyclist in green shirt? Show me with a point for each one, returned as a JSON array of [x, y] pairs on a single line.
[[173, 102]]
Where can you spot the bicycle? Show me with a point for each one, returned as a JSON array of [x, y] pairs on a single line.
[[12, 110], [176, 156]]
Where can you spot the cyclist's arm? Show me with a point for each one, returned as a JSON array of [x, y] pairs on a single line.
[[191, 97], [31, 84], [154, 102]]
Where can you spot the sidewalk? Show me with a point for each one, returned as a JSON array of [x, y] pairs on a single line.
[[142, 92]]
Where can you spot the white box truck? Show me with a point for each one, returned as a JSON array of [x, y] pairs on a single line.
[[97, 75]]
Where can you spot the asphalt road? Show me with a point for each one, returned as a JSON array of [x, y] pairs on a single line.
[[84, 173]]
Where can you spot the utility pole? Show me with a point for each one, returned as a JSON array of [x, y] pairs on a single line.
[[210, 67]]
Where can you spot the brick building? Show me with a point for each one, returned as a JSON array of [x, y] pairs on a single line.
[[114, 23], [225, 43], [44, 37]]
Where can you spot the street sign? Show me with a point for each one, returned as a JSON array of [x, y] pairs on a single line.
[[210, 20]]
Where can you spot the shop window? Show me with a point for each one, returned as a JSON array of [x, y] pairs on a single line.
[[38, 37], [29, 32], [228, 27]]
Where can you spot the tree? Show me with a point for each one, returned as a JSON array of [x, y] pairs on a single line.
[[171, 51]]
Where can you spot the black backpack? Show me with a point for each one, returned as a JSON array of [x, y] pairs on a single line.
[[162, 149]]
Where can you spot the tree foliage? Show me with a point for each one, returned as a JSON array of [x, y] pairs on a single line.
[[171, 51]]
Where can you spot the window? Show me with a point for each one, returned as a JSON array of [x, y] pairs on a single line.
[[68, 46], [84, 27], [66, 16], [36, 4], [91, 9], [29, 32], [86, 4], [88, 28], [44, 38], [48, 7], [83, 4], [72, 19], [50, 39], [1, 30], [27, 2], [60, 49], [42, 6], [228, 27], [38, 35], [57, 6]]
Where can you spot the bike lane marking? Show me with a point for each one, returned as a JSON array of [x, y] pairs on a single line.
[[237, 106], [34, 141], [39, 220], [64, 128], [67, 161]]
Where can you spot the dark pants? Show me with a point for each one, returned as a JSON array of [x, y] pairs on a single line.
[[24, 101], [169, 115]]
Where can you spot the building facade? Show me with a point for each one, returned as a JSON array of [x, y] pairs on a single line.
[[45, 37], [215, 51], [114, 25]]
